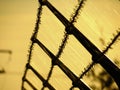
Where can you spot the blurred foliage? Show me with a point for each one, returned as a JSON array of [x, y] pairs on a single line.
[[100, 79]]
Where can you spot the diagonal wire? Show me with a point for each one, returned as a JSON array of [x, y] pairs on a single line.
[[78, 83], [88, 68], [75, 15], [63, 44], [66, 36], [104, 52]]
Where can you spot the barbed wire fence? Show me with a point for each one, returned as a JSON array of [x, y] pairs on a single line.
[[98, 57]]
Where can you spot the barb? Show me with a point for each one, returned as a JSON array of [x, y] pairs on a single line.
[[76, 82], [88, 68], [112, 42], [66, 37], [63, 44], [75, 15], [55, 59], [32, 43]]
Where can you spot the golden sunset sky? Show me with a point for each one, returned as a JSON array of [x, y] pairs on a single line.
[[98, 21]]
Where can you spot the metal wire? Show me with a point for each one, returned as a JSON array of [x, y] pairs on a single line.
[[32, 43], [73, 19], [88, 68]]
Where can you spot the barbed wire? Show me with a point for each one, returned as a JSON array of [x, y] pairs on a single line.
[[38, 21], [73, 19], [88, 68]]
